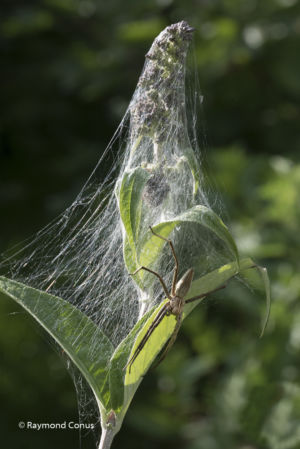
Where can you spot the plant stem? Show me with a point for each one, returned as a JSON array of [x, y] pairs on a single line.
[[107, 437]]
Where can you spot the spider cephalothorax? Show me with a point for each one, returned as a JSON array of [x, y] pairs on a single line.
[[174, 305]]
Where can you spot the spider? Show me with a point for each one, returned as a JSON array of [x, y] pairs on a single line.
[[174, 306]]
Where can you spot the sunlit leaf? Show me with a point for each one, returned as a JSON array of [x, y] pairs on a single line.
[[164, 330], [72, 330], [201, 215], [117, 367]]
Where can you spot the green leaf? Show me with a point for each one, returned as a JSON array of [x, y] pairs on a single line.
[[130, 259], [204, 285], [215, 279], [152, 347], [130, 196], [165, 329], [202, 215], [119, 397], [72, 330]]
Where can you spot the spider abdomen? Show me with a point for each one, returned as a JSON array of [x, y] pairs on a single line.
[[184, 284]]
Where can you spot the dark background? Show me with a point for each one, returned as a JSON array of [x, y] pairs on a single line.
[[68, 70]]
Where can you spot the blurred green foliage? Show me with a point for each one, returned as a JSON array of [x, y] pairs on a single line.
[[68, 70]]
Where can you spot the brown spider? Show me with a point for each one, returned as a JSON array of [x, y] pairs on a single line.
[[174, 306]]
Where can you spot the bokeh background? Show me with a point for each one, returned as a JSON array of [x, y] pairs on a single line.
[[68, 70]]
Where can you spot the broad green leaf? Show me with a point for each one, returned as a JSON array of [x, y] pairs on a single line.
[[164, 330], [215, 279], [152, 347], [152, 246], [130, 259], [129, 255], [117, 364], [130, 196], [72, 330]]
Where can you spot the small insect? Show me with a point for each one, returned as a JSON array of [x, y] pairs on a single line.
[[174, 306]]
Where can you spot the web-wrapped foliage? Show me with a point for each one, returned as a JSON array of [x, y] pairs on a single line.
[[80, 256]]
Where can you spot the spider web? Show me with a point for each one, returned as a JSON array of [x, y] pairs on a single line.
[[79, 256]]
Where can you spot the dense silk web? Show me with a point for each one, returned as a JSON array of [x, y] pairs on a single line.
[[80, 255]]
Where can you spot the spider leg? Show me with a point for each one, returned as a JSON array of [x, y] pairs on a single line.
[[171, 340], [157, 275], [175, 274], [163, 311], [204, 294]]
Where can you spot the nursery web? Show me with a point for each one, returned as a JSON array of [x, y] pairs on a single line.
[[79, 256]]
